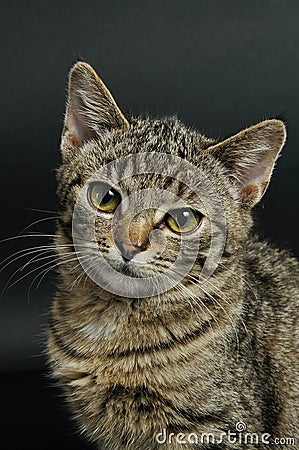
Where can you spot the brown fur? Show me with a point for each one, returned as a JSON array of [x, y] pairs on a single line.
[[198, 358]]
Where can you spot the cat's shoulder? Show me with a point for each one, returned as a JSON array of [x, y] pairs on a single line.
[[263, 251]]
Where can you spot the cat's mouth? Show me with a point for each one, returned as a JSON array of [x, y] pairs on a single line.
[[126, 269], [129, 269]]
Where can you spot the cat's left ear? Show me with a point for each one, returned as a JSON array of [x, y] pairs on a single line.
[[90, 110], [249, 158]]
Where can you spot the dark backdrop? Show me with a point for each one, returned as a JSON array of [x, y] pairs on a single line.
[[218, 65]]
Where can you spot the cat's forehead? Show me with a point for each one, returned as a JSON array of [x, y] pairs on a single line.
[[147, 135], [149, 155]]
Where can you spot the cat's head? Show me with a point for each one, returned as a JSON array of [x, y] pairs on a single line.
[[143, 194]]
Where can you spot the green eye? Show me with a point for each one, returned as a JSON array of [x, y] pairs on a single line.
[[183, 220], [103, 197]]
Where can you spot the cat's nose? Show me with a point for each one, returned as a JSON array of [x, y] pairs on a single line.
[[128, 251]]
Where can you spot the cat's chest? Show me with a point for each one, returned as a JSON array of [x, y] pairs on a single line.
[[100, 330], [132, 354]]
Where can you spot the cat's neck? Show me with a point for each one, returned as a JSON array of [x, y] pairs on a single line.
[[118, 325]]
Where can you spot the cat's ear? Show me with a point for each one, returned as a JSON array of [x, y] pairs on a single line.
[[90, 109], [249, 158]]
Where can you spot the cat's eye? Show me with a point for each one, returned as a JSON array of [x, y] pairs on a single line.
[[183, 220], [104, 197]]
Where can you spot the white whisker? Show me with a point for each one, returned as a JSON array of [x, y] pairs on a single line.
[[38, 221]]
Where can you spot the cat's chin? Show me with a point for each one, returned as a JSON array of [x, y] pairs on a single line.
[[129, 270], [133, 270]]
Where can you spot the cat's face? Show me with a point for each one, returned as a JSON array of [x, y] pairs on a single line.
[[150, 199], [145, 202]]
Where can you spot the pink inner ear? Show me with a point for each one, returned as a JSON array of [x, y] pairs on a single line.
[[249, 157], [75, 141], [255, 179], [76, 129], [250, 192]]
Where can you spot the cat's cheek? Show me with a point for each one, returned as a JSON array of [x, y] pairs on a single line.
[[238, 231], [203, 233]]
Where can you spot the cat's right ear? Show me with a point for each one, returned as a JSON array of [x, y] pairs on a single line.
[[249, 158], [90, 110]]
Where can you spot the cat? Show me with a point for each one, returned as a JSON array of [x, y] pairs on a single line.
[[211, 351]]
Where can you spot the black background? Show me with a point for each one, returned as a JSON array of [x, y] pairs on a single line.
[[218, 65]]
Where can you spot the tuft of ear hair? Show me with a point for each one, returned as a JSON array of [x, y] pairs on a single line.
[[90, 109], [249, 158]]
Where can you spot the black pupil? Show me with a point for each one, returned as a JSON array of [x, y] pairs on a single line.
[[107, 197], [182, 217]]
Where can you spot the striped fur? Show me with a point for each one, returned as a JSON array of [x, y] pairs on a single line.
[[198, 358]]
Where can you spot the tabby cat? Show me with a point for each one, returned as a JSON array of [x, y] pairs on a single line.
[[209, 361]]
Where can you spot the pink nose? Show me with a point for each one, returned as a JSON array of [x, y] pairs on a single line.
[[129, 250]]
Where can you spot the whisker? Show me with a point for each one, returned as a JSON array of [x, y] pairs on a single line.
[[42, 210], [8, 286], [193, 300], [225, 312], [224, 297], [29, 235], [240, 277], [77, 280], [38, 221], [31, 250], [199, 302], [45, 271], [22, 254], [38, 259]]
